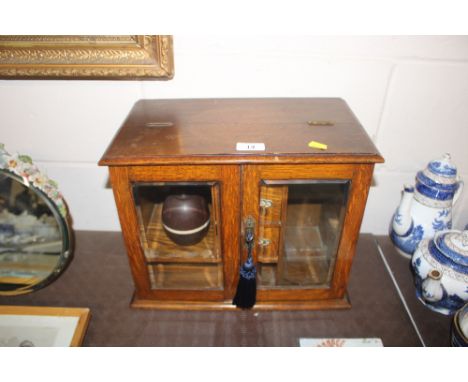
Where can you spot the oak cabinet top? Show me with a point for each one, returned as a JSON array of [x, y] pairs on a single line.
[[208, 130]]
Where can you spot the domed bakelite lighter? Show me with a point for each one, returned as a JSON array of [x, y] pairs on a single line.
[[185, 218]]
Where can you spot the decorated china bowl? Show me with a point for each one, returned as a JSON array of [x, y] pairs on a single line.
[[440, 267]]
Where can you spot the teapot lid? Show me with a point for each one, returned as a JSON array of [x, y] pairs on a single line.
[[454, 245], [443, 167]]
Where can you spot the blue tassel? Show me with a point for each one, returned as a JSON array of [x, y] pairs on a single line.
[[247, 287]]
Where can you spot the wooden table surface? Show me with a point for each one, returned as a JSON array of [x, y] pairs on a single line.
[[99, 278]]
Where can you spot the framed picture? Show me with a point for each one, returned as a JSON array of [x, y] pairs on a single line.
[[42, 326], [86, 57]]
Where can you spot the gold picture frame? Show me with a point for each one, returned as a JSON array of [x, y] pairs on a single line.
[[86, 57], [39, 322]]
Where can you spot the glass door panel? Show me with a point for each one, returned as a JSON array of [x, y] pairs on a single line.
[[300, 224], [180, 234]]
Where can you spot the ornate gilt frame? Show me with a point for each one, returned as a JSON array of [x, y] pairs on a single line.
[[86, 57]]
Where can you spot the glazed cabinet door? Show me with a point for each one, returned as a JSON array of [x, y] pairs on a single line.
[[185, 218], [307, 223]]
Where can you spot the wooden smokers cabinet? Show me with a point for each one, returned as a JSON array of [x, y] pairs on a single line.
[[184, 188]]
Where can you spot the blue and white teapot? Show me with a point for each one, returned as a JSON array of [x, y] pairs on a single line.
[[440, 268], [426, 208]]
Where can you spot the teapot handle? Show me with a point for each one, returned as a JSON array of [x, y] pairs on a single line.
[[461, 184]]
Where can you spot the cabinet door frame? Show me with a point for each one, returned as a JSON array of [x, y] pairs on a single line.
[[228, 178], [359, 175]]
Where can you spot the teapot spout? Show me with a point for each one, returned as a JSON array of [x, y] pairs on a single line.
[[402, 221], [431, 287]]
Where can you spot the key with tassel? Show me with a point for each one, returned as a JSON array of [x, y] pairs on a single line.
[[247, 287]]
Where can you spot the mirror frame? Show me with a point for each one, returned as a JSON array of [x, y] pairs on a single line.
[[21, 169]]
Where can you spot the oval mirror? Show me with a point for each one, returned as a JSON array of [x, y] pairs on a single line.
[[35, 236]]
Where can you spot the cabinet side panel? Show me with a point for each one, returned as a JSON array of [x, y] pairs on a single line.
[[360, 185], [129, 224]]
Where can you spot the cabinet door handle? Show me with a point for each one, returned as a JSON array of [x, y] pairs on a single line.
[[262, 242], [265, 203]]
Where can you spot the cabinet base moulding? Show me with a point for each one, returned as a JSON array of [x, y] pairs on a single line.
[[339, 303]]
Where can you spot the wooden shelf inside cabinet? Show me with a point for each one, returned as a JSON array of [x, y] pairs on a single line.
[[307, 204], [186, 276], [159, 248]]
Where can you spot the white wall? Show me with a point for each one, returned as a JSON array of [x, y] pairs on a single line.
[[410, 93]]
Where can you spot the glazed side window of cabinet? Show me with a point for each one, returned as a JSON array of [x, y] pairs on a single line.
[[183, 219], [300, 224], [307, 218], [179, 234]]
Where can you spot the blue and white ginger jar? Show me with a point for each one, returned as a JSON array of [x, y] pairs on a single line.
[[440, 268], [426, 208]]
